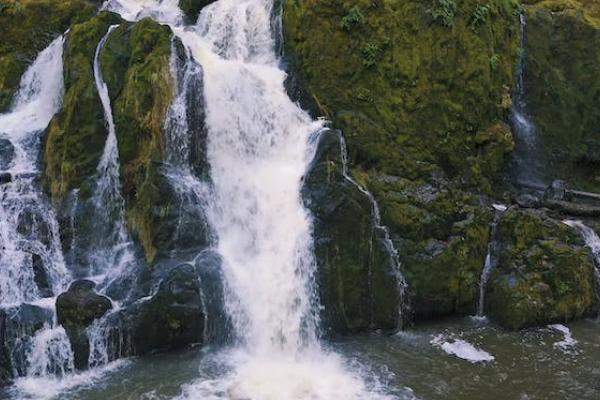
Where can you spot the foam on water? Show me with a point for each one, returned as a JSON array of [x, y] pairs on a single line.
[[461, 349], [568, 340], [28, 228]]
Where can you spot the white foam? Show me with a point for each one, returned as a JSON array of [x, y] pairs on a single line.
[[499, 207], [461, 349], [568, 341]]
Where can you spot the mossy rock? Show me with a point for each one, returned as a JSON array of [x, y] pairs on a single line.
[[544, 273], [442, 235], [135, 64], [26, 28], [562, 86], [356, 278], [75, 138], [408, 91]]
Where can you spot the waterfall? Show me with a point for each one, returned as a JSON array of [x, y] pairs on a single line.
[[528, 160], [592, 241], [376, 217], [258, 151], [489, 264], [112, 250], [31, 260]]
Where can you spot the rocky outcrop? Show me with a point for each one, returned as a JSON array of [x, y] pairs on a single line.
[[191, 9], [356, 276], [562, 85], [26, 28], [76, 309], [544, 273]]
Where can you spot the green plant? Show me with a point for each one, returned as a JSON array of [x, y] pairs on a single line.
[[494, 61], [444, 12], [352, 19], [480, 15], [371, 54]]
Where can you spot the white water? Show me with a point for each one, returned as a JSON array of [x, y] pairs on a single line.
[[258, 152], [27, 223], [113, 253], [568, 341], [592, 241], [488, 265], [376, 218], [528, 155], [461, 349]]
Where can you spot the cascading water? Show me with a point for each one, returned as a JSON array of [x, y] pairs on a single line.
[[376, 216], [112, 252], [31, 261], [528, 160], [258, 151], [592, 240], [489, 264]]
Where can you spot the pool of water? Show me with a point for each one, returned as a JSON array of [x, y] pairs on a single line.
[[452, 359]]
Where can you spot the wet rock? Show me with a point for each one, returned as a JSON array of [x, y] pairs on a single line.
[[528, 201], [5, 177], [191, 9], [40, 276], [356, 280], [33, 224], [544, 272], [76, 309], [172, 318], [17, 327], [7, 153], [557, 191]]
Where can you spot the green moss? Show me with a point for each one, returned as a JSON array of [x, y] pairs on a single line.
[[410, 95], [563, 86], [545, 274], [135, 64], [75, 137], [26, 28]]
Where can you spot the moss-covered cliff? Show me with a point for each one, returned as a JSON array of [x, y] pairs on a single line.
[[562, 80], [421, 90], [27, 27]]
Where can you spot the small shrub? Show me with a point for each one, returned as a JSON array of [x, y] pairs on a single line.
[[480, 16], [494, 61], [371, 54], [352, 19], [444, 12]]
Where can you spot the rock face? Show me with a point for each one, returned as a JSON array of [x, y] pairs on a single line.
[[356, 278], [171, 318], [191, 9], [422, 102], [545, 274], [27, 27], [17, 326], [562, 85], [76, 309]]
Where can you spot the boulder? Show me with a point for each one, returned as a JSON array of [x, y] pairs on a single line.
[[545, 274], [76, 309], [191, 9], [5, 177]]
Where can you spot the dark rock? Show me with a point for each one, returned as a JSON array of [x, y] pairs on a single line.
[[172, 318], [557, 191], [357, 284], [191, 9], [17, 327], [76, 309], [5, 177], [40, 276], [528, 201], [7, 153], [33, 225]]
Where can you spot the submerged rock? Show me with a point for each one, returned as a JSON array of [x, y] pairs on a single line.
[[544, 273], [76, 309]]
